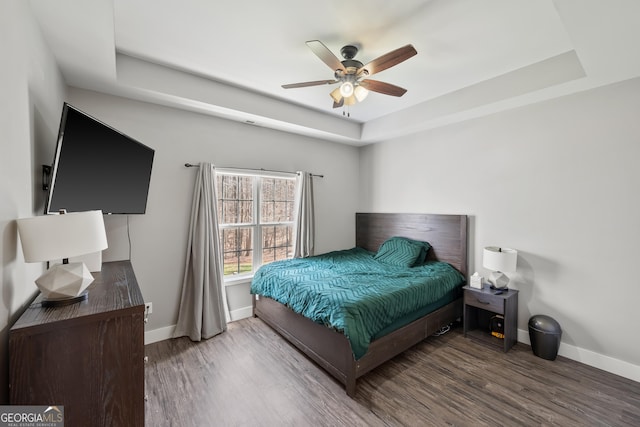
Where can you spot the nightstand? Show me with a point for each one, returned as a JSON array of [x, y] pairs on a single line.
[[482, 304]]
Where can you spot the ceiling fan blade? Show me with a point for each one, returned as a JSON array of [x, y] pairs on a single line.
[[325, 55], [382, 87], [338, 104], [306, 84], [388, 60]]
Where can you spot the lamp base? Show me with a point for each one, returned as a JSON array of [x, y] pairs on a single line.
[[64, 281], [60, 302], [498, 280]]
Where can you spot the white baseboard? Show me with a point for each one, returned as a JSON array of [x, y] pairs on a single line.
[[591, 358], [165, 333], [241, 313], [160, 334]]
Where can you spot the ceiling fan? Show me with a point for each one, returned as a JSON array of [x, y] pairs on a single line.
[[351, 73]]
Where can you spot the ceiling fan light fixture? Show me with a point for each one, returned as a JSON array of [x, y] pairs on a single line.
[[360, 93], [346, 89], [350, 101], [350, 72], [336, 95]]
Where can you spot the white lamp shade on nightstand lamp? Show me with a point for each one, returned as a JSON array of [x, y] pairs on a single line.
[[499, 260], [54, 237]]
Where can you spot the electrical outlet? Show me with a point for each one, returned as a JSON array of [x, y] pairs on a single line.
[[148, 307]]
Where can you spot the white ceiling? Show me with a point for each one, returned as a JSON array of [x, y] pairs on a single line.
[[229, 59]]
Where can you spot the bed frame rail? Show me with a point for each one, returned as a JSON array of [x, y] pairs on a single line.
[[332, 351]]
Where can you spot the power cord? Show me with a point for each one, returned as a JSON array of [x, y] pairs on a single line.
[[129, 237]]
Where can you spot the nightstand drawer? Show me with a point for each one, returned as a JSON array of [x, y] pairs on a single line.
[[485, 301]]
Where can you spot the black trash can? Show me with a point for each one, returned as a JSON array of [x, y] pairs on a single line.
[[544, 333]]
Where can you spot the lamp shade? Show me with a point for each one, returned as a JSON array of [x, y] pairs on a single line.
[[499, 259], [51, 237]]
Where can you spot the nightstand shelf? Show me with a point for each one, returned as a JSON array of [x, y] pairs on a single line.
[[480, 305]]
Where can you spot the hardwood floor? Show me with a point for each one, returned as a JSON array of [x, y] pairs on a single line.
[[250, 376]]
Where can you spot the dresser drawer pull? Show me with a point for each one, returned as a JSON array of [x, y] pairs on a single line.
[[483, 302]]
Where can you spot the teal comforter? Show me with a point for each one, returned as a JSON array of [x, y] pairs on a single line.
[[352, 292]]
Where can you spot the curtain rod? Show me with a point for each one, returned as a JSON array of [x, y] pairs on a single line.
[[190, 165]]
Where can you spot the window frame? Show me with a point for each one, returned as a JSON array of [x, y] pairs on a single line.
[[257, 224]]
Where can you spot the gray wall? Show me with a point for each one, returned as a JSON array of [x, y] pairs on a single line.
[[159, 237], [558, 181], [32, 94]]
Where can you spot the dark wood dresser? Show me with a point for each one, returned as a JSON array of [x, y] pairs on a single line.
[[87, 356]]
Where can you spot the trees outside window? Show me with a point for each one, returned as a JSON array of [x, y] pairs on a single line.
[[255, 214]]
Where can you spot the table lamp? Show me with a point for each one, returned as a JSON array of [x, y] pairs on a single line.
[[499, 260], [54, 237]]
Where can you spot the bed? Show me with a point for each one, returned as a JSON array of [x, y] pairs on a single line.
[[332, 350]]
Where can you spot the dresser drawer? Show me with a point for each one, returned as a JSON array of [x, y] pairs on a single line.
[[485, 301]]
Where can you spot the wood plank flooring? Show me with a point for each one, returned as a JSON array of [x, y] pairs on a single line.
[[250, 376]]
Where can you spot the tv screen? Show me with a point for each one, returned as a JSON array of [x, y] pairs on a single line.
[[97, 168]]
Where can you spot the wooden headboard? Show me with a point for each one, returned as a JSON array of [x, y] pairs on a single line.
[[447, 234]]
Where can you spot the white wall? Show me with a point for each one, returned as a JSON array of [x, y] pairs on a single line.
[[32, 94], [558, 181], [159, 237]]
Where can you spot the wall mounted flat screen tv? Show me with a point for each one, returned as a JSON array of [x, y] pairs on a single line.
[[97, 167]]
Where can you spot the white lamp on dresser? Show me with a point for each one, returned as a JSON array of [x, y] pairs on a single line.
[[61, 236]]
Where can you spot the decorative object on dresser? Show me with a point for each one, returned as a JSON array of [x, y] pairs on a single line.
[[331, 349], [53, 237], [87, 357], [499, 260]]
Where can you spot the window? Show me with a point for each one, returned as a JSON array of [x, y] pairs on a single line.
[[254, 211]]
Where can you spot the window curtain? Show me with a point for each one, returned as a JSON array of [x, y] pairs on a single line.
[[304, 228], [203, 307]]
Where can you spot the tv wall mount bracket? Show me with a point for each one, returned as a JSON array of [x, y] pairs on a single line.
[[46, 177]]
